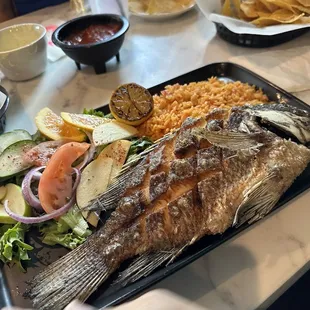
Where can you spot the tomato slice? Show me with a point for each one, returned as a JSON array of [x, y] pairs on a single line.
[[42, 153], [55, 186]]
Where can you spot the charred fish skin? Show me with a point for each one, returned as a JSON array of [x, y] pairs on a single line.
[[283, 108], [196, 189]]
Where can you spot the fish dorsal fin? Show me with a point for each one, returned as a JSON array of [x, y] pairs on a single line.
[[234, 141], [110, 198], [145, 264], [258, 201]]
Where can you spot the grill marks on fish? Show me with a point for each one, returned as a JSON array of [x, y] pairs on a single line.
[[209, 159], [156, 159], [186, 188], [182, 169], [141, 192], [175, 186], [138, 180], [167, 190], [158, 185], [186, 142]]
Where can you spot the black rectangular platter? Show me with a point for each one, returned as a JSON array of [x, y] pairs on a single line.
[[12, 282]]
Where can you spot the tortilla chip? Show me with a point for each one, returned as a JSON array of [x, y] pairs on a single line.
[[231, 8], [302, 9], [266, 4], [303, 20], [286, 4], [226, 9], [268, 12], [285, 16], [244, 17], [280, 16], [249, 9], [263, 14], [305, 3], [237, 4], [167, 6], [264, 8]]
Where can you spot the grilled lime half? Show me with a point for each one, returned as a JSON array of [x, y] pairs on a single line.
[[131, 104]]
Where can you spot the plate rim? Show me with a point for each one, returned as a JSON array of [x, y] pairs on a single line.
[[141, 285], [163, 15]]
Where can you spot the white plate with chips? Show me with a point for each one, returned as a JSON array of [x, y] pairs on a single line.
[[161, 16], [213, 11]]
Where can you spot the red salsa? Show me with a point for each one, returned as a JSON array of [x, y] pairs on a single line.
[[93, 34]]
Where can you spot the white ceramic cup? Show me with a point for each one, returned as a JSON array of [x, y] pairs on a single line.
[[23, 51]]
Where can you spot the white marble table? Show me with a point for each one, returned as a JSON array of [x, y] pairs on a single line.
[[251, 270]]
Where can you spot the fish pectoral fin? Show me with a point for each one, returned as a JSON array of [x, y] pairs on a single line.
[[145, 264], [234, 141], [258, 201]]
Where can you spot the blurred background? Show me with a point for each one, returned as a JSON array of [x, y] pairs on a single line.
[[12, 8]]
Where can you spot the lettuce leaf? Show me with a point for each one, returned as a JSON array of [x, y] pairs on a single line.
[[139, 145], [97, 113], [12, 245], [38, 137], [93, 112], [68, 240], [109, 116], [75, 220], [69, 231], [53, 226]]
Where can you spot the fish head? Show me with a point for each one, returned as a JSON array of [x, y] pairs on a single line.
[[285, 118]]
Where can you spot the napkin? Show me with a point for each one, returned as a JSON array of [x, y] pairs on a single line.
[[54, 53], [288, 69]]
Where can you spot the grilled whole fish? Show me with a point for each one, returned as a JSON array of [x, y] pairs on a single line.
[[214, 172]]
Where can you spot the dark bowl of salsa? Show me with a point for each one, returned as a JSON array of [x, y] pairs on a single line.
[[4, 103], [92, 39]]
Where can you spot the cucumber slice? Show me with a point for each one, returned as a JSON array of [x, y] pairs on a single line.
[[112, 131], [2, 192], [12, 161], [12, 137], [17, 204], [4, 217]]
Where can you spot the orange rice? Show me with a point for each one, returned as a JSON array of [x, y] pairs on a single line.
[[177, 102]]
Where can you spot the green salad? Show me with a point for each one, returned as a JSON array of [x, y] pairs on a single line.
[[47, 179]]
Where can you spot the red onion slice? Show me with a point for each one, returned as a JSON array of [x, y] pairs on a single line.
[[92, 148], [46, 217], [37, 176], [29, 196], [39, 219], [89, 136], [85, 161], [92, 151], [89, 155], [77, 180]]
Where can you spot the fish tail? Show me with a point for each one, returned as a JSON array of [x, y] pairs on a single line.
[[74, 276]]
